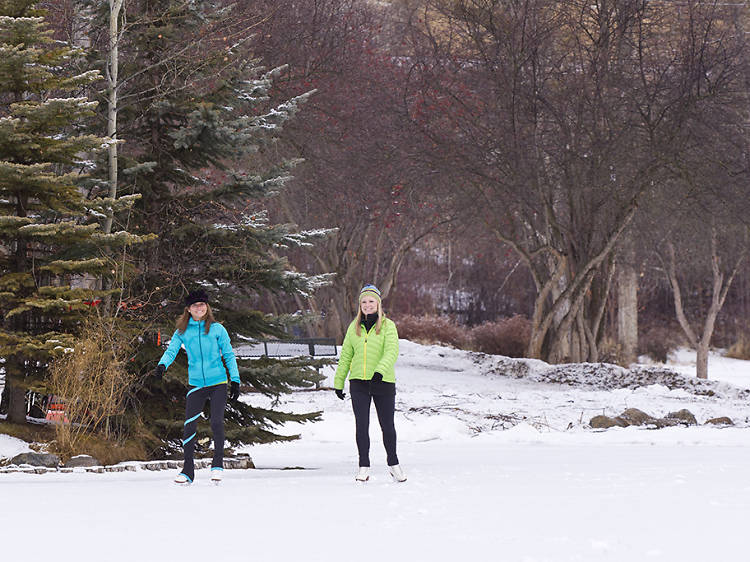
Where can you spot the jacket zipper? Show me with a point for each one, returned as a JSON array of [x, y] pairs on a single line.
[[200, 346], [364, 368]]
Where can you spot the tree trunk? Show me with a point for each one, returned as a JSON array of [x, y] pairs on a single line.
[[541, 320], [16, 401], [567, 347], [565, 343], [627, 304], [112, 70], [701, 360], [592, 325], [15, 371]]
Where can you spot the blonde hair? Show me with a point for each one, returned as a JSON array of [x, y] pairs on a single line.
[[182, 321], [358, 319]]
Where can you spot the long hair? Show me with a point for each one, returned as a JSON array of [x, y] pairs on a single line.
[[182, 321], [358, 319]]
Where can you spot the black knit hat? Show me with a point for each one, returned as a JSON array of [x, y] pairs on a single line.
[[196, 296]]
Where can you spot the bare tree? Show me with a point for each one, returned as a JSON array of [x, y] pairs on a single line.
[[363, 171], [564, 115], [722, 278]]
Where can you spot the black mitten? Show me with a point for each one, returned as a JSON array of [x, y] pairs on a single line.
[[234, 390], [159, 371]]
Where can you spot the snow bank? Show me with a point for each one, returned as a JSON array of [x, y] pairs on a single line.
[[501, 466], [10, 446]]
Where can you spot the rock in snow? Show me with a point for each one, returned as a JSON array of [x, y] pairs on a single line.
[[36, 459]]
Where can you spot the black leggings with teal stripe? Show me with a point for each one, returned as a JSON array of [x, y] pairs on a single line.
[[196, 398]]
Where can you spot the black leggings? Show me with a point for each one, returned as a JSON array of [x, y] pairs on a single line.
[[196, 398], [384, 396]]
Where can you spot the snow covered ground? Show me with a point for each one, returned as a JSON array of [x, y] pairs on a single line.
[[501, 467]]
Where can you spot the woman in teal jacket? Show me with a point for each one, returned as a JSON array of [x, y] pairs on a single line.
[[206, 342], [368, 356]]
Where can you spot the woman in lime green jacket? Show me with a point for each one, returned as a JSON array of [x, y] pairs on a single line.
[[368, 356]]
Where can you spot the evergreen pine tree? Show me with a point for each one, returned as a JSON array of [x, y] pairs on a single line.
[[197, 127], [48, 246]]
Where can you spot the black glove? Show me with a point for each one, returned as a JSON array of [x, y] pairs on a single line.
[[377, 377], [159, 371], [234, 390], [340, 394]]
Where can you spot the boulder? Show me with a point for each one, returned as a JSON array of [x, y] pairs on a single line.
[[720, 421], [683, 416], [36, 459], [634, 416], [668, 422], [81, 460], [605, 422]]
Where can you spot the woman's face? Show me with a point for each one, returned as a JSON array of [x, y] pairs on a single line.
[[198, 310], [369, 305]]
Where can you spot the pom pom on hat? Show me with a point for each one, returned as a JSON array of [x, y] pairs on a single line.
[[196, 296], [370, 291]]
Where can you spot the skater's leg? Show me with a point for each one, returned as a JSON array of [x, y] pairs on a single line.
[[361, 407], [385, 406], [196, 397], [218, 405]]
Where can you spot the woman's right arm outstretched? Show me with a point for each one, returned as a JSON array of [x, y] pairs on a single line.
[[172, 351], [345, 361]]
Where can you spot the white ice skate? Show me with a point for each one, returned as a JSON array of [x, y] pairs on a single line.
[[216, 475], [363, 475], [182, 479], [397, 472]]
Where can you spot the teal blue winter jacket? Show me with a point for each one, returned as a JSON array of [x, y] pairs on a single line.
[[204, 353]]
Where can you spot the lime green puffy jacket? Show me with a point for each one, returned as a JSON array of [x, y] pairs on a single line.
[[364, 355]]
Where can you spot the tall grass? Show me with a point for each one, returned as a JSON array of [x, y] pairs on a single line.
[[93, 382]]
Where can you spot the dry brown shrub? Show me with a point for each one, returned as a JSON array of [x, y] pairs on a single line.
[[509, 337], [741, 348], [610, 351], [657, 342], [431, 330], [93, 382]]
